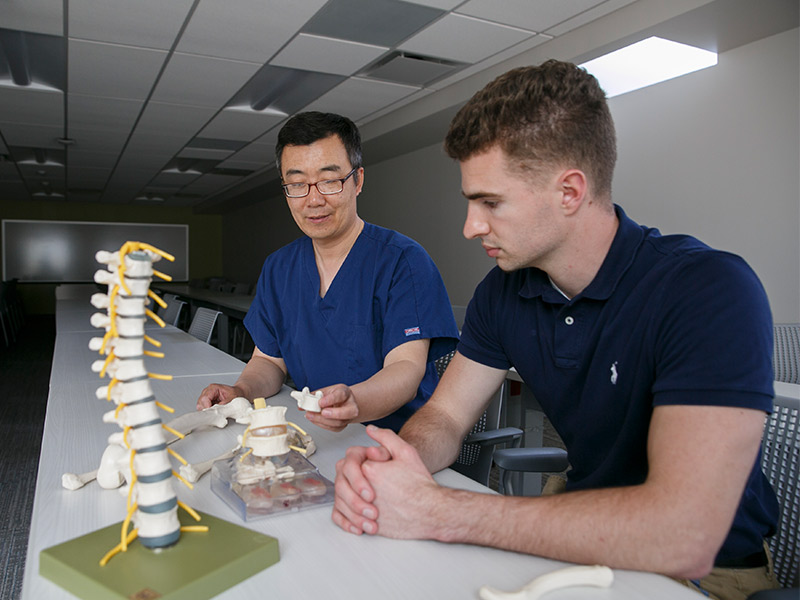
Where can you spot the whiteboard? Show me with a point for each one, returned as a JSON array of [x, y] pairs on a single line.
[[63, 251]]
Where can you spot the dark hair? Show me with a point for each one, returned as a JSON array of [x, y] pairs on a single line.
[[555, 114], [306, 128]]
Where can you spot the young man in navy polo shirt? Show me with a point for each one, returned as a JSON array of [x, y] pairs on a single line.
[[650, 354]]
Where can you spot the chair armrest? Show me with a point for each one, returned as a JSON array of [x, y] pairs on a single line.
[[536, 460], [495, 436], [781, 594]]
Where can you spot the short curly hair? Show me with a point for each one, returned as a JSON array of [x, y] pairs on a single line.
[[554, 114]]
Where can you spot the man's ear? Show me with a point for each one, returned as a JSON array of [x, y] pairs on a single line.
[[360, 183], [573, 187]]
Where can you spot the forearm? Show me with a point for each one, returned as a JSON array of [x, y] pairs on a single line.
[[435, 436], [390, 388], [624, 528], [260, 378]]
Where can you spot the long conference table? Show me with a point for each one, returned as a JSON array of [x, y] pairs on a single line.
[[317, 559]]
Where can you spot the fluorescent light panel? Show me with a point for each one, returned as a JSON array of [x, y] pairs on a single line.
[[645, 63]]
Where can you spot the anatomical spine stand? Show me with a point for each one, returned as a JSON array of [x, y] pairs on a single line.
[[151, 500]]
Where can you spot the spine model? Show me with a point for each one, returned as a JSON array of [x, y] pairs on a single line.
[[152, 504]]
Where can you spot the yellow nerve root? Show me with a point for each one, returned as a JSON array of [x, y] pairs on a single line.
[[189, 510], [117, 549]]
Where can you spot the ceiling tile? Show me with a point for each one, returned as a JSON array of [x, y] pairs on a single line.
[[326, 55], [173, 119], [262, 154], [94, 140], [255, 31], [590, 15], [97, 69], [81, 158], [442, 4], [209, 183], [39, 16], [215, 153], [176, 179], [154, 145], [31, 136], [464, 39], [244, 125], [87, 177], [515, 50], [377, 22], [107, 114], [358, 97], [32, 106], [143, 23], [535, 15], [202, 80]]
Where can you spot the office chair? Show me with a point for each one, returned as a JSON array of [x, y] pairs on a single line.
[[786, 360], [475, 457], [172, 314], [203, 324], [781, 594], [780, 454]]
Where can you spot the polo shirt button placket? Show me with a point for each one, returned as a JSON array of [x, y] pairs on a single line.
[[569, 320]]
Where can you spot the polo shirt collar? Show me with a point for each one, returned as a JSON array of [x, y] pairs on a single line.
[[620, 256]]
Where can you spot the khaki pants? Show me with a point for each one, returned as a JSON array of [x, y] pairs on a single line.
[[735, 584]]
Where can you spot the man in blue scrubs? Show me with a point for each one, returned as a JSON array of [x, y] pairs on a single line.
[[352, 309], [650, 354]]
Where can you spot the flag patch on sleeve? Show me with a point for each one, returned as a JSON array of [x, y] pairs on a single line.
[[411, 331]]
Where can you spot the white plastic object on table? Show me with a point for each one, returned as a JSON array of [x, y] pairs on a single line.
[[308, 401], [597, 576]]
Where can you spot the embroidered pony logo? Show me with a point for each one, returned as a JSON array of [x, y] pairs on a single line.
[[614, 373]]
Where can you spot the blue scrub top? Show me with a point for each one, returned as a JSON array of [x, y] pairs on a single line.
[[387, 292], [667, 320]]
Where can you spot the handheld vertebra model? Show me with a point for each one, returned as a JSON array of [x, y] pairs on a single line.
[[151, 500]]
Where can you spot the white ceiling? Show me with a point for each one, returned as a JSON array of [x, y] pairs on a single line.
[[180, 102]]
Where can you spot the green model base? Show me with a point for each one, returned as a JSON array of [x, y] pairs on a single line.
[[199, 566]]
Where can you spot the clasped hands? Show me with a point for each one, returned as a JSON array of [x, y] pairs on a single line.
[[385, 489]]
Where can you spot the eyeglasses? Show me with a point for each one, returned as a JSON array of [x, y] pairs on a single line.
[[327, 187]]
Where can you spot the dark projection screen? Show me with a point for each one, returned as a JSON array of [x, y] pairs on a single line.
[[63, 251]]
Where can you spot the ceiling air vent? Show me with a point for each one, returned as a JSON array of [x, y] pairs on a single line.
[[412, 69]]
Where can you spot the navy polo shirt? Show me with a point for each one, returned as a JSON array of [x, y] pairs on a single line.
[[387, 292], [666, 320]]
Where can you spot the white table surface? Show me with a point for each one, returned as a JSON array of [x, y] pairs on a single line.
[[318, 560]]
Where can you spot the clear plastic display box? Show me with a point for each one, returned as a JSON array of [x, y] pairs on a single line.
[[295, 485]]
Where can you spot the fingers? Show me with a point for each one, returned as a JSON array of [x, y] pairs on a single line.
[[329, 424], [215, 394], [354, 510], [392, 443]]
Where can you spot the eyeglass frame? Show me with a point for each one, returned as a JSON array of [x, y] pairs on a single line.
[[341, 180]]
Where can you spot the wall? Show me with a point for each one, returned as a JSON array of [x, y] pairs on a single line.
[[253, 232], [713, 154], [205, 236]]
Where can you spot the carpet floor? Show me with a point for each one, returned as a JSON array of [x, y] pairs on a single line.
[[24, 385]]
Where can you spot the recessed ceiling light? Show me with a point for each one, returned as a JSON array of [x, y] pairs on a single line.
[[645, 63]]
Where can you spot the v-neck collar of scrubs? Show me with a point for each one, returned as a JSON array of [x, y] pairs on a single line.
[[312, 272]]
